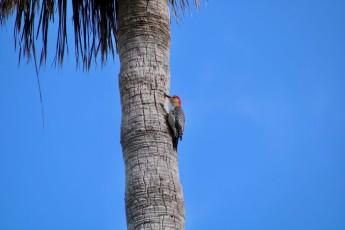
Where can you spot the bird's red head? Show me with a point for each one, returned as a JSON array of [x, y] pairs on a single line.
[[175, 100]]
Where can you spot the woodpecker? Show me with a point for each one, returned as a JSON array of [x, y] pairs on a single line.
[[176, 119]]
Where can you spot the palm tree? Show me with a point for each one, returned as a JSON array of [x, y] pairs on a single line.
[[140, 31]]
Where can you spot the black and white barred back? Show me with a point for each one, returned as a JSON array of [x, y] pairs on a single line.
[[176, 122]]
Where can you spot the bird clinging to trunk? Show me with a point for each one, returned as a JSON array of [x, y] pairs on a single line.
[[176, 119]]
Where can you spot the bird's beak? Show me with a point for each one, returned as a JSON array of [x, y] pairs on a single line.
[[167, 96]]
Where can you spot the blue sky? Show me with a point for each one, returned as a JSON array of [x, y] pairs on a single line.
[[262, 85]]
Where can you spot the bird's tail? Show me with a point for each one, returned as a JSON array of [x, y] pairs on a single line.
[[175, 142]]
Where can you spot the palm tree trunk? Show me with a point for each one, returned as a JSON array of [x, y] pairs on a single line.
[[154, 197]]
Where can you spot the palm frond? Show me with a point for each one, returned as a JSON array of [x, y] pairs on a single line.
[[181, 6], [94, 23]]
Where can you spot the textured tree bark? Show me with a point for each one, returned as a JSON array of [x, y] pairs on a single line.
[[154, 197]]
